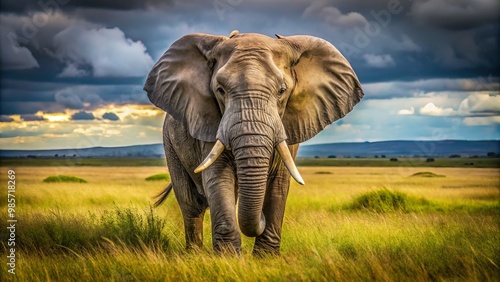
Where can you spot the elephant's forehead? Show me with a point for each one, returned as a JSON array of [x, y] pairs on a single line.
[[248, 42]]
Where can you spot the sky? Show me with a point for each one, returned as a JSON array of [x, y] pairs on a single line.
[[72, 72]]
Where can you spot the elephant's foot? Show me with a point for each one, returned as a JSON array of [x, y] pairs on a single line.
[[265, 246], [194, 232], [226, 239]]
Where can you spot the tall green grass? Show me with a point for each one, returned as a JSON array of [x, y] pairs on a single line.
[[388, 201], [385, 200], [64, 178], [426, 174], [56, 232], [159, 177]]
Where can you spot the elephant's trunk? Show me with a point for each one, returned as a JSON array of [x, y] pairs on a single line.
[[252, 157]]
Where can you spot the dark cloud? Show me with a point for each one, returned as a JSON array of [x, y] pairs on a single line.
[[419, 88], [20, 6], [12, 55], [4, 118], [82, 116], [333, 16], [110, 116], [30, 117], [26, 95], [78, 97], [120, 5], [30, 97], [19, 107], [69, 100], [456, 15]]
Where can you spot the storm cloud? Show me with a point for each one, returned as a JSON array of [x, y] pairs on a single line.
[[456, 14], [82, 116], [32, 117], [110, 116], [68, 99], [12, 55], [4, 118], [21, 6], [106, 52]]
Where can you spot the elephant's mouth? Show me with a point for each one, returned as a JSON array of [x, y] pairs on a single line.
[[282, 149]]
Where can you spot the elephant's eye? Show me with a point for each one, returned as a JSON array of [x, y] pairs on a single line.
[[221, 90], [282, 88]]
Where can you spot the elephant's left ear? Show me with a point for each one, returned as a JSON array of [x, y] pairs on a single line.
[[179, 83], [326, 87]]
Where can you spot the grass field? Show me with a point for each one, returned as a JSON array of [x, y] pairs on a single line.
[[105, 230]]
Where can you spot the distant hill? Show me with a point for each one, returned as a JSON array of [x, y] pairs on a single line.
[[153, 150], [444, 148]]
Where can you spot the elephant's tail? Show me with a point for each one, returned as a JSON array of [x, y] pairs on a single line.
[[163, 195]]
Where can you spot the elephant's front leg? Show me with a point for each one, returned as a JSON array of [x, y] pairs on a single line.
[[274, 207], [219, 184], [191, 202]]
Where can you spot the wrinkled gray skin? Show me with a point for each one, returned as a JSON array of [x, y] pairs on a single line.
[[251, 92]]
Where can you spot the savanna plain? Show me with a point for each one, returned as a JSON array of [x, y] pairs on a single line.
[[345, 224]]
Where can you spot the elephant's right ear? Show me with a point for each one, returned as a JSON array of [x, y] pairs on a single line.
[[179, 83]]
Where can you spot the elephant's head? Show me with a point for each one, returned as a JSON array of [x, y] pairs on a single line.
[[253, 94]]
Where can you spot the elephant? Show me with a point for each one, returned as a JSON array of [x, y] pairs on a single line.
[[237, 108]]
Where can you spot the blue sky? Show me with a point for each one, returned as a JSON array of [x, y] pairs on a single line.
[[72, 71]]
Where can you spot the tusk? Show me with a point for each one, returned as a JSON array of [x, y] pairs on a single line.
[[288, 160], [212, 157]]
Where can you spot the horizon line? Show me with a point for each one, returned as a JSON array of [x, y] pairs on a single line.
[[302, 145]]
